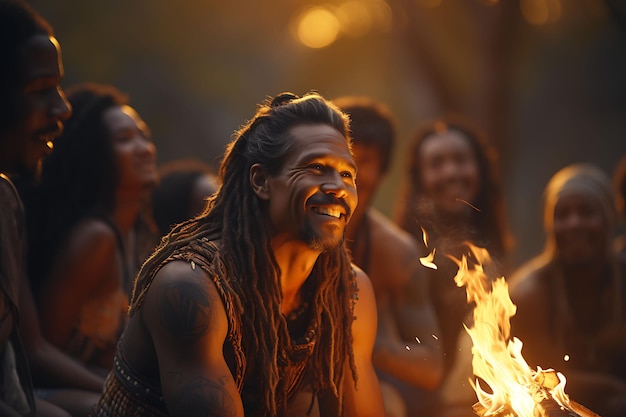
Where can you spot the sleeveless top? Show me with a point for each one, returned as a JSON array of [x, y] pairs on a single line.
[[128, 393]]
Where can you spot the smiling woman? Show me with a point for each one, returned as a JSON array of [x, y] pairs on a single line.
[[452, 196], [571, 312]]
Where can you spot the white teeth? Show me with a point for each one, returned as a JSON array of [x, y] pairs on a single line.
[[328, 211]]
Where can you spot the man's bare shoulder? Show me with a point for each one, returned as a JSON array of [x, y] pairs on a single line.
[[180, 271], [389, 240], [184, 299]]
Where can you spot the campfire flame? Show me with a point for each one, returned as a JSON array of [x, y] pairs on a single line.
[[516, 389], [428, 260]]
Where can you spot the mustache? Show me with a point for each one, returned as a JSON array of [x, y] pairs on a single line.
[[329, 200]]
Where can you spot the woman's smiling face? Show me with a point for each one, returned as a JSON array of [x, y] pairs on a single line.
[[449, 171]]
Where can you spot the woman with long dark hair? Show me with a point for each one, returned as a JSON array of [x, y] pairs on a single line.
[[86, 223], [452, 196]]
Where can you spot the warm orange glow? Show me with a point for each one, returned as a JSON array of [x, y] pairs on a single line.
[[320, 26], [317, 27], [355, 18], [497, 359], [381, 11], [540, 12], [429, 4], [555, 10]]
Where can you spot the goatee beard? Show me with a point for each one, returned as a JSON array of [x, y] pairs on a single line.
[[321, 243]]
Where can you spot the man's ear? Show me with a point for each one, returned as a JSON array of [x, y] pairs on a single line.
[[259, 181]]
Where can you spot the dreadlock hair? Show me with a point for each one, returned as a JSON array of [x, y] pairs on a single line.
[[487, 222], [78, 178], [251, 270], [19, 22]]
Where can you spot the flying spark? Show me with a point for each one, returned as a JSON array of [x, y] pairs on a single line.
[[469, 204]]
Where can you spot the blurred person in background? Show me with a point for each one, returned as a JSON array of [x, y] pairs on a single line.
[[571, 310], [185, 185], [410, 371], [452, 193], [32, 111], [86, 224]]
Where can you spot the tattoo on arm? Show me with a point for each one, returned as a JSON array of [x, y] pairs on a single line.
[[185, 310], [208, 397]]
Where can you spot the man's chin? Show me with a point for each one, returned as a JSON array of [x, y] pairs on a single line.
[[326, 244]]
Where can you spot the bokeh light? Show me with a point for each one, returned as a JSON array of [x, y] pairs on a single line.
[[540, 12], [355, 18], [317, 27]]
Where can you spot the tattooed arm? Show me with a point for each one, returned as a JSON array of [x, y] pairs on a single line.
[[187, 322]]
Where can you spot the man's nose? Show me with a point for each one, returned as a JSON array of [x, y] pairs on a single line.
[[334, 185], [60, 108]]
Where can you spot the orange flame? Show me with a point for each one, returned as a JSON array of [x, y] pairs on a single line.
[[427, 260], [497, 359]]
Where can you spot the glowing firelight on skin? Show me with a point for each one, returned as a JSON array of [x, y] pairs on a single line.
[[497, 359]]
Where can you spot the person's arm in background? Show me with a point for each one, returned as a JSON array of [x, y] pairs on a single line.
[[406, 347], [50, 367]]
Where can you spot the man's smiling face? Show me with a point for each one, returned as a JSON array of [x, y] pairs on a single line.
[[313, 196], [41, 105]]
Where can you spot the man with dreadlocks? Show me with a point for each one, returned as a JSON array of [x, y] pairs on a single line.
[[254, 305]]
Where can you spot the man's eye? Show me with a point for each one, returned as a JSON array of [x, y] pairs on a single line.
[[347, 174], [317, 167]]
